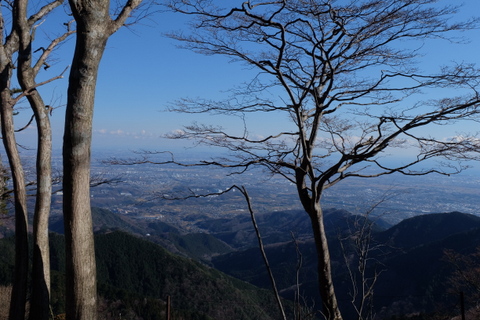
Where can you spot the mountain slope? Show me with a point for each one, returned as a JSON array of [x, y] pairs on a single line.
[[277, 227], [102, 219], [410, 255], [135, 276], [419, 278], [142, 267], [200, 246], [426, 228]]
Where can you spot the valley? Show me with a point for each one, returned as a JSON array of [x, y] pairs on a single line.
[[415, 220], [141, 187]]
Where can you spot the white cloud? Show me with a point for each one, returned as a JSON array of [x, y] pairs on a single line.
[[461, 138]]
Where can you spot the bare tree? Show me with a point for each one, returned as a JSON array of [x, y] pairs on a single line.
[[19, 40], [94, 26], [465, 279], [19, 289], [26, 74], [344, 73], [245, 195], [360, 253]]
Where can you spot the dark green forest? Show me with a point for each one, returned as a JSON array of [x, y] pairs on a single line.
[[135, 277]]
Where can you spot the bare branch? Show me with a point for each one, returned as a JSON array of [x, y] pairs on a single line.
[[53, 44], [27, 125], [45, 10], [34, 87], [124, 14], [347, 74]]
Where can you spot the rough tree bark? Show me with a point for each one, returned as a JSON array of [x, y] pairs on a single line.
[[94, 27], [324, 268], [19, 290], [26, 74]]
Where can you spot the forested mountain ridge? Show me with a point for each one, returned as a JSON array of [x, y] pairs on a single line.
[[195, 245], [422, 229], [415, 275], [135, 277]]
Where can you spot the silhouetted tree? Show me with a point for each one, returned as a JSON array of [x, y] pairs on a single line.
[[345, 74]]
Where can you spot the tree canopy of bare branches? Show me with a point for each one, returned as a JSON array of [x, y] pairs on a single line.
[[346, 75]]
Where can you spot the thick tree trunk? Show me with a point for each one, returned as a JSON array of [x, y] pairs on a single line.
[[81, 291], [331, 310], [94, 27], [19, 290]]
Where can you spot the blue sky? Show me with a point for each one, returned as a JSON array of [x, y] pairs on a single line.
[[142, 71]]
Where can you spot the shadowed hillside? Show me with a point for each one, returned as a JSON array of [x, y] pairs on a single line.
[[135, 276], [414, 274]]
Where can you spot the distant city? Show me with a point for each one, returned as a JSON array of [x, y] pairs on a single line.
[[139, 191]]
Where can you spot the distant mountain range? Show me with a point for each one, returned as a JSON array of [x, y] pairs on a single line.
[[136, 273], [414, 274]]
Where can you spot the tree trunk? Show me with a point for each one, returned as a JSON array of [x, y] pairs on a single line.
[[331, 310], [81, 290], [81, 294], [40, 299], [94, 27], [311, 203], [19, 290]]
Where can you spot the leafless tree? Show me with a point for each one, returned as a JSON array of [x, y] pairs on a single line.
[[19, 41], [302, 310], [19, 290], [244, 193], [94, 25], [465, 279], [345, 74], [360, 253], [27, 72], [246, 196]]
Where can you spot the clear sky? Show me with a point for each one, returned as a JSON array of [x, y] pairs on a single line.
[[142, 71]]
